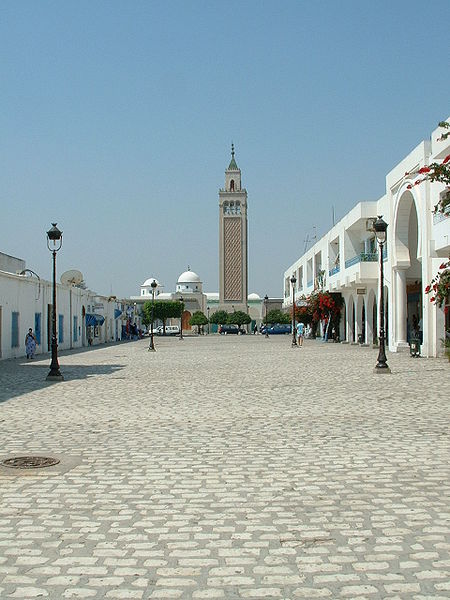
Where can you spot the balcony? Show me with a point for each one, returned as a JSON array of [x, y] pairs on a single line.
[[438, 217], [362, 257], [334, 270]]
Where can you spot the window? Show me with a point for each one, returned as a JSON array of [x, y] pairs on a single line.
[[60, 329], [75, 329], [232, 185], [14, 330]]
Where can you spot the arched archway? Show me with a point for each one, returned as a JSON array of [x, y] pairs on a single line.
[[371, 318], [360, 333], [386, 314], [343, 323], [351, 320], [407, 269]]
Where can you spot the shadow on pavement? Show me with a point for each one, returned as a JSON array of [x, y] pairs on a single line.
[[22, 377]]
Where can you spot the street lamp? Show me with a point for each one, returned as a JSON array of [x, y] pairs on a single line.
[[153, 285], [207, 310], [266, 300], [293, 282], [54, 237], [181, 319], [380, 228]]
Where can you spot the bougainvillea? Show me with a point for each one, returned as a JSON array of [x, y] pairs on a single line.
[[439, 285], [320, 306], [436, 172], [439, 288]]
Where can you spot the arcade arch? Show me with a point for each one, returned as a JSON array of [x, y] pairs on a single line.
[[407, 269]]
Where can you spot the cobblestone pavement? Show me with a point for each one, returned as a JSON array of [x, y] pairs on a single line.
[[226, 467]]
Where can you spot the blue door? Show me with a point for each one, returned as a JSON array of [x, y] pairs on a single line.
[[37, 328], [60, 329]]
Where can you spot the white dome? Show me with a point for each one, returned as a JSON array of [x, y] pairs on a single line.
[[148, 282], [189, 277], [254, 297]]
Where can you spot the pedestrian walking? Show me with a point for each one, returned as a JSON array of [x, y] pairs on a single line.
[[300, 333], [30, 344]]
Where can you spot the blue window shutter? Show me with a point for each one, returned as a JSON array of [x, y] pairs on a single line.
[[14, 330], [60, 329], [75, 329]]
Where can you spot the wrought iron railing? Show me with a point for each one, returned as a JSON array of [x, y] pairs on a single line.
[[365, 257], [334, 270]]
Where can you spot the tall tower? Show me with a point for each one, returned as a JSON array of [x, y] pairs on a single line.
[[233, 279]]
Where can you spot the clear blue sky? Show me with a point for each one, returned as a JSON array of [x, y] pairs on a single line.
[[117, 118]]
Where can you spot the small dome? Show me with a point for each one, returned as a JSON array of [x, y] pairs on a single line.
[[189, 277], [254, 297], [148, 282]]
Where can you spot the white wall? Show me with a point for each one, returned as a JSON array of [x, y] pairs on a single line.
[[28, 296]]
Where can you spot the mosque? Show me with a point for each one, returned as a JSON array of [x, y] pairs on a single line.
[[233, 264]]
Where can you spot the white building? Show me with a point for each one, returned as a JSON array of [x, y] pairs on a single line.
[[83, 317], [345, 259], [189, 287]]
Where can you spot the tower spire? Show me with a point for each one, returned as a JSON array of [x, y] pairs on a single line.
[[232, 166]]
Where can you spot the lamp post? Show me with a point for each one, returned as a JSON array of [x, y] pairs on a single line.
[[207, 310], [266, 300], [54, 236], [181, 319], [293, 282], [152, 342], [380, 228]]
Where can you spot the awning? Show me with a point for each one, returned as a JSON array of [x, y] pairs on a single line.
[[93, 320], [117, 313]]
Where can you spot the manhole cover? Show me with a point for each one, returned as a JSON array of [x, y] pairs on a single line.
[[29, 462]]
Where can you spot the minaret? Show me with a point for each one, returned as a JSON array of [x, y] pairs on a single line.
[[233, 279]]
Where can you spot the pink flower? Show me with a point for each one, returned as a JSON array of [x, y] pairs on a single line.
[[424, 170]]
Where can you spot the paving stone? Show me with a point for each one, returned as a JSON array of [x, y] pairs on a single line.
[[226, 468]]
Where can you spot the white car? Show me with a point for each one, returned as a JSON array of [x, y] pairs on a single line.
[[170, 330]]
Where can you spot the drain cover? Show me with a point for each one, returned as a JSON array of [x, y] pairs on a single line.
[[29, 462]]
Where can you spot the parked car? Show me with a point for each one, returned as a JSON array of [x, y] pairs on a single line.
[[278, 328], [226, 329], [170, 330]]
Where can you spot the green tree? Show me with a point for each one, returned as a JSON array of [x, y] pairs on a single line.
[[219, 317], [239, 318], [198, 319], [162, 310], [277, 316]]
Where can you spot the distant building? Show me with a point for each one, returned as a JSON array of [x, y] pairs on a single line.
[[189, 287]]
